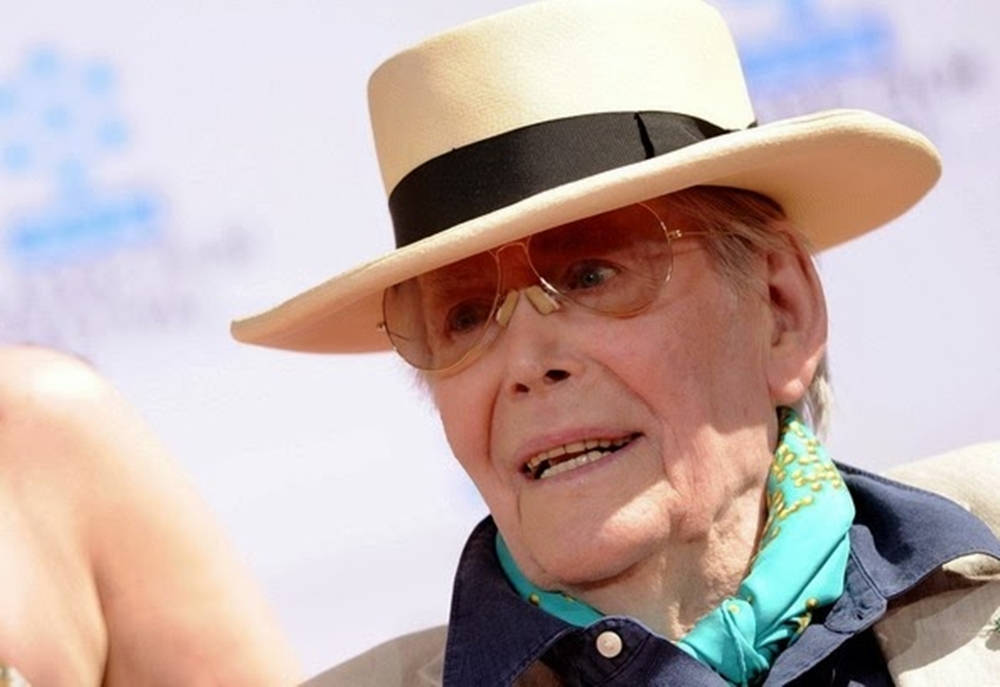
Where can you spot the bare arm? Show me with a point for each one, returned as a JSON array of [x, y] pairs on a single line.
[[115, 566]]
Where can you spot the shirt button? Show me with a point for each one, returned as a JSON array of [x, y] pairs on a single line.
[[609, 644]]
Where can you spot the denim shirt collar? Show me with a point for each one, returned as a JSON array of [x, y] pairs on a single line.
[[900, 535]]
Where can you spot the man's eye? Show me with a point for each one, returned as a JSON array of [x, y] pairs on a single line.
[[467, 317], [588, 274]]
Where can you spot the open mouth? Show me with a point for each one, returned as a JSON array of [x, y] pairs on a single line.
[[574, 455]]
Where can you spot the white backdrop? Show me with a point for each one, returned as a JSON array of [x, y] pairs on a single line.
[[167, 166]]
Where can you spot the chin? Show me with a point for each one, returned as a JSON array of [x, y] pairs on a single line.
[[580, 556]]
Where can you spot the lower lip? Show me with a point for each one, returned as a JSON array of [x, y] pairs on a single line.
[[588, 468]]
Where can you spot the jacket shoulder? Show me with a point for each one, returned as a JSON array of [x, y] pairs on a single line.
[[944, 631], [970, 476], [412, 660]]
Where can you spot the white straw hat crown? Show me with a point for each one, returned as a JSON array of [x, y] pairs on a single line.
[[548, 61]]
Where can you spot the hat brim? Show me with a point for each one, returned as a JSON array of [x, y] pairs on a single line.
[[837, 174]]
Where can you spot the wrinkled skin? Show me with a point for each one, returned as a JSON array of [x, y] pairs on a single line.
[[670, 521]]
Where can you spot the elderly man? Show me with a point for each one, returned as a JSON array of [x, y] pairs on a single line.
[[603, 272]]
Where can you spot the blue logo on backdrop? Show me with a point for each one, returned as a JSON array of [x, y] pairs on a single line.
[[84, 258], [809, 45], [58, 121], [804, 56]]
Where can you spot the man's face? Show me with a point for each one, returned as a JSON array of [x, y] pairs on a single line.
[[671, 405]]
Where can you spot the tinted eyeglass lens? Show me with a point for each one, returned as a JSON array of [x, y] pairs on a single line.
[[614, 263], [437, 317]]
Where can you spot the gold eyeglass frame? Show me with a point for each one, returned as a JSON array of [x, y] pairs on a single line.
[[545, 297]]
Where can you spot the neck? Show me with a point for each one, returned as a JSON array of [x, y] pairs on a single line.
[[669, 592]]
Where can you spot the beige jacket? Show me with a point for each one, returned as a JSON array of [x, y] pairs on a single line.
[[941, 633]]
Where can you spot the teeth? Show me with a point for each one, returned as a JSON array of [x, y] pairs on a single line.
[[590, 450], [572, 463]]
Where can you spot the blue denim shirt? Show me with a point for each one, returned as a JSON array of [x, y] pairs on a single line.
[[900, 535]]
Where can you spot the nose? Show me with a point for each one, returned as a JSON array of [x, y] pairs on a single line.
[[535, 344]]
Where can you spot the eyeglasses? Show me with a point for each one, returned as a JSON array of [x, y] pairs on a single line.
[[614, 263]]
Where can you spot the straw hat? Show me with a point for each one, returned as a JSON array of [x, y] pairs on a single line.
[[558, 110]]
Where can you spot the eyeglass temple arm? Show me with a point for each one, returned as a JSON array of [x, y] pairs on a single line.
[[675, 234]]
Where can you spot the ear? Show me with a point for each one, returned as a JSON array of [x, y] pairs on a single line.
[[798, 324]]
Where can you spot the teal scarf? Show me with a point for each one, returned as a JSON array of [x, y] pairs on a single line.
[[798, 567]]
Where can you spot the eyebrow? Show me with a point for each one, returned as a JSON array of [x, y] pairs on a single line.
[[455, 274], [447, 282]]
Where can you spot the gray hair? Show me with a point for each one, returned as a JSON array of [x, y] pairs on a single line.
[[743, 224]]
